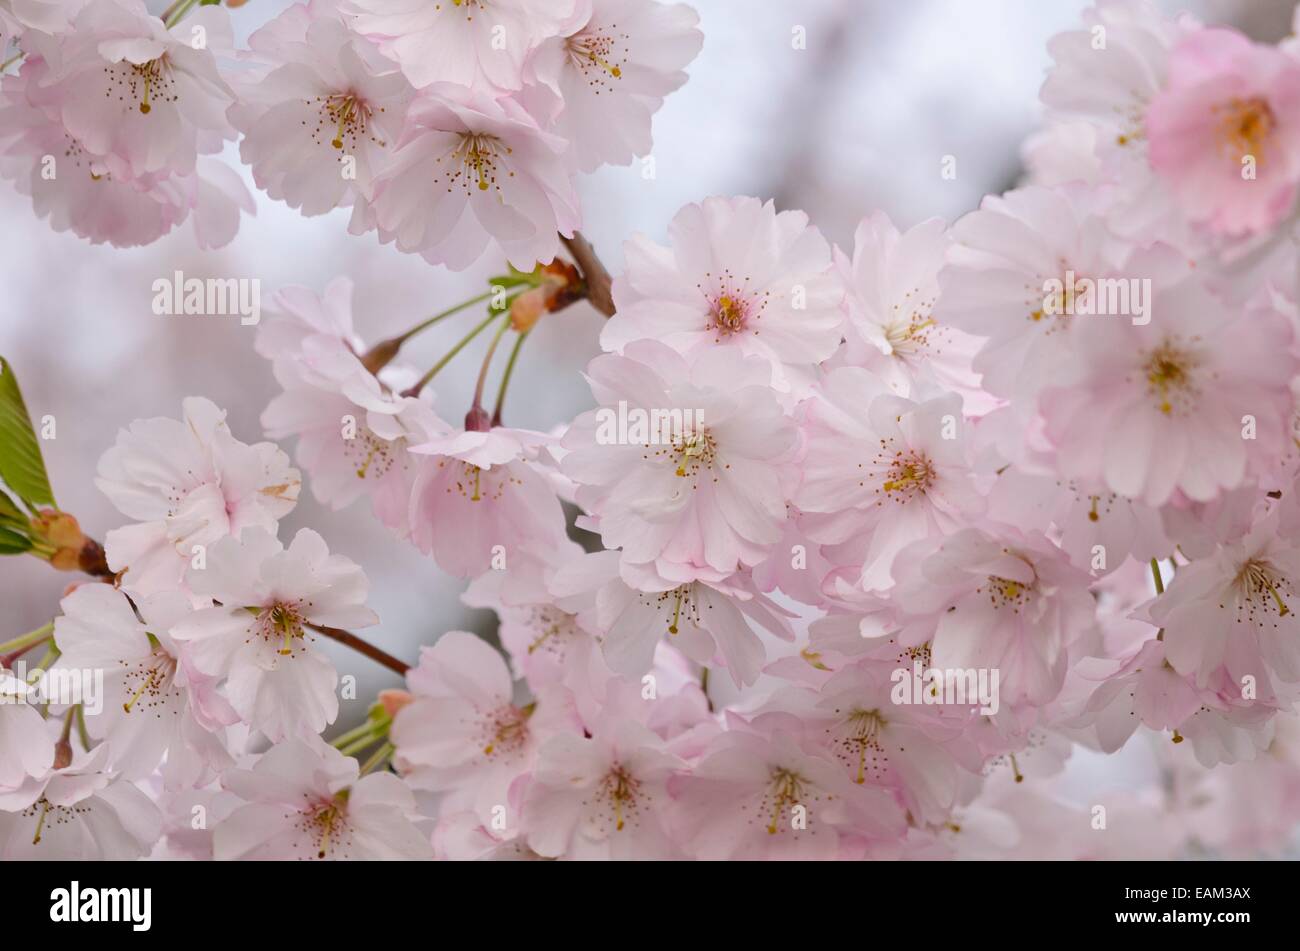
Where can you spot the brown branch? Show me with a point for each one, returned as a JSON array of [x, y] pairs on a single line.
[[363, 647], [594, 276]]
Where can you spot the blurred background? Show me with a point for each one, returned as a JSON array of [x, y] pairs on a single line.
[[859, 119]]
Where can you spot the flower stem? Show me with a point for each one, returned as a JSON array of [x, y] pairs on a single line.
[[464, 342], [176, 12], [370, 730], [487, 362], [505, 378], [382, 353], [29, 640], [378, 757], [402, 338]]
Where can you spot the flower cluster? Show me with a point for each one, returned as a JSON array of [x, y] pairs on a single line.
[[871, 536], [446, 128]]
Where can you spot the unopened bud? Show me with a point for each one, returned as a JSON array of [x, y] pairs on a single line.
[[477, 420], [393, 700]]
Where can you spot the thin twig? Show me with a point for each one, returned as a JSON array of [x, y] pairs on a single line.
[[363, 647]]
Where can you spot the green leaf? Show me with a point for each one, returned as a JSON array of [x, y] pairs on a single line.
[[10, 512], [21, 466], [11, 543]]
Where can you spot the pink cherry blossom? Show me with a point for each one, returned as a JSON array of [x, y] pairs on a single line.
[[259, 638], [26, 751], [997, 599], [1098, 96], [1222, 132], [354, 432], [463, 734], [468, 172], [306, 800], [1191, 402], [188, 483], [469, 44], [320, 109], [155, 702], [611, 72], [88, 194], [892, 282], [603, 797], [996, 282], [478, 497], [710, 493], [737, 275], [166, 98], [1235, 608], [77, 812], [880, 472], [759, 795]]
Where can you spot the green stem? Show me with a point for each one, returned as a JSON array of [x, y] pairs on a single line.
[[379, 756], [50, 657], [367, 729], [464, 342], [425, 325], [28, 640], [358, 745], [1155, 573], [176, 12], [81, 727], [487, 360], [505, 379]]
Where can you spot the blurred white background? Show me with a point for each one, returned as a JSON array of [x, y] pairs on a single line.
[[858, 120]]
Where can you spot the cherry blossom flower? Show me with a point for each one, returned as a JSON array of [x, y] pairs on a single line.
[[166, 98], [463, 735], [320, 109], [188, 483], [612, 72], [259, 637], [354, 432], [882, 742], [1098, 94], [467, 44], [1190, 404], [468, 171], [91, 198], [707, 620], [710, 492], [306, 800], [478, 497], [1236, 608], [155, 702], [892, 282], [1140, 690], [604, 797], [880, 472], [77, 812], [1222, 131], [995, 284], [737, 274], [767, 796], [1006, 600]]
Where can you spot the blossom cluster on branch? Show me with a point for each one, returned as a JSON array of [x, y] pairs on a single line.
[[876, 537]]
